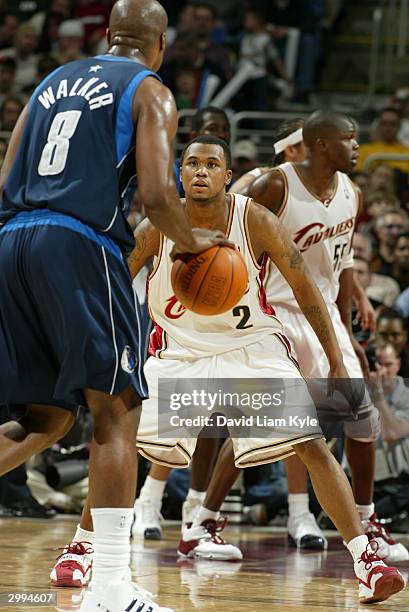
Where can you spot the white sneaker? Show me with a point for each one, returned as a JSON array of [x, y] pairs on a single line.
[[73, 567], [190, 509], [377, 581], [121, 596], [205, 543], [303, 532], [147, 520], [389, 550]]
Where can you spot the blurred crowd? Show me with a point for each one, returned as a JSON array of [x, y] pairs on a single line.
[[208, 42]]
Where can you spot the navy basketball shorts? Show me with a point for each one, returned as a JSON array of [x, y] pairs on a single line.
[[68, 313]]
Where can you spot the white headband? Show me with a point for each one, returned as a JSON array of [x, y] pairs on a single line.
[[291, 139]]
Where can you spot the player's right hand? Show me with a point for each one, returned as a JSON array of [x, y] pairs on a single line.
[[203, 239]]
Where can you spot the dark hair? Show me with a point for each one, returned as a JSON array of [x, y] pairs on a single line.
[[197, 119], [391, 314], [208, 6], [391, 109], [285, 129], [8, 62], [359, 258], [211, 140]]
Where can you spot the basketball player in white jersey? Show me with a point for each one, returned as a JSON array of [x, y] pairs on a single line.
[[318, 204], [192, 346]]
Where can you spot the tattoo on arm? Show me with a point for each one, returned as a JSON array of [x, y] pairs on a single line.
[[315, 318]]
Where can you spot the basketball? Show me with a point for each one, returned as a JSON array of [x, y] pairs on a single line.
[[211, 282]]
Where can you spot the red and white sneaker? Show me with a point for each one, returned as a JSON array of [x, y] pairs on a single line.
[[377, 581], [389, 550], [204, 542], [73, 566]]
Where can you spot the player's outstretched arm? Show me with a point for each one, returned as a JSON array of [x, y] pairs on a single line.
[[154, 112], [268, 190], [147, 244], [13, 147], [268, 235]]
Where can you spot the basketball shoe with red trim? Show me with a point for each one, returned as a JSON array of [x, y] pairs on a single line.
[[389, 550], [73, 566], [377, 581], [206, 543]]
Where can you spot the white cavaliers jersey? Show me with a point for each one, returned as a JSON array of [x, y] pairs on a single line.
[[182, 334], [321, 230]]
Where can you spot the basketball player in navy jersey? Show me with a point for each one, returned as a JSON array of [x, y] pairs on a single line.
[[68, 325]]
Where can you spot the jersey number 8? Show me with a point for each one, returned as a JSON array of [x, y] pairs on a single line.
[[55, 152]]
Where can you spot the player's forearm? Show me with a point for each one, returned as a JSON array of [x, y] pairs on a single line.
[[344, 299], [166, 213], [313, 307]]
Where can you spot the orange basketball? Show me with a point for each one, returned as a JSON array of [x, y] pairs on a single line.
[[210, 282]]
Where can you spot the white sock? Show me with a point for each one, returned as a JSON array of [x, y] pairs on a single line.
[[298, 504], [82, 535], [365, 512], [203, 515], [357, 546], [196, 495], [112, 547], [153, 490]]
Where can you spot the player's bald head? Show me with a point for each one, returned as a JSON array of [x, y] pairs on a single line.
[[142, 20], [325, 125]]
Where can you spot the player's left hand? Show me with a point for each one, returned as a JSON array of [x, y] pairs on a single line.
[[352, 390], [366, 314]]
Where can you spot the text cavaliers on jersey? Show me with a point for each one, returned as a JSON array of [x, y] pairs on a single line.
[[321, 230]]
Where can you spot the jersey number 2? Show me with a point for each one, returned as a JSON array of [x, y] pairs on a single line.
[[244, 313], [55, 152]]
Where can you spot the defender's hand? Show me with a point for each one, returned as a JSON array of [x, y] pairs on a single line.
[[203, 239]]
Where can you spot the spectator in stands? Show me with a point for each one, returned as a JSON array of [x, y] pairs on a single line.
[[94, 17], [7, 77], [377, 203], [185, 54], [382, 289], [205, 18], [9, 113], [23, 52], [400, 269], [185, 88], [387, 130], [363, 273], [70, 41], [185, 22], [391, 328], [258, 48], [391, 397], [46, 24], [245, 158], [8, 29], [383, 178], [387, 227], [45, 65]]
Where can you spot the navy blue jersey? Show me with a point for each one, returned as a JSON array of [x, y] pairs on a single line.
[[77, 153]]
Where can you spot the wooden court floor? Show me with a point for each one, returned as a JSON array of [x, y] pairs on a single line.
[[272, 575]]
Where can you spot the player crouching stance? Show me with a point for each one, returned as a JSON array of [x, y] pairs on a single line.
[[186, 345]]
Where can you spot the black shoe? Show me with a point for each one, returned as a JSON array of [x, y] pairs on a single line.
[[30, 508], [5, 512]]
